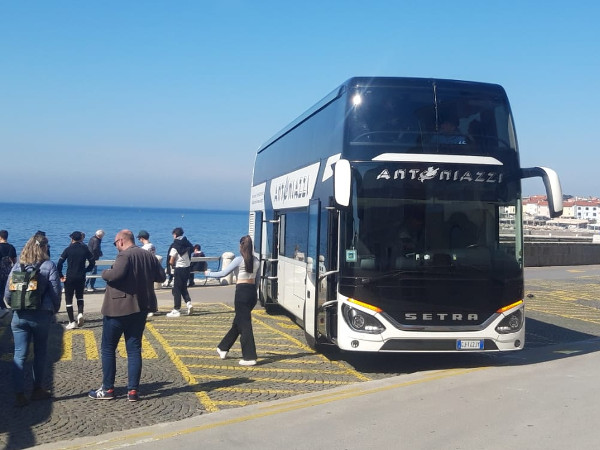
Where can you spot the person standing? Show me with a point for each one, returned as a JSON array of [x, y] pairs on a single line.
[[198, 266], [143, 236], [179, 258], [244, 301], [76, 255], [8, 257], [34, 325], [95, 246], [129, 286]]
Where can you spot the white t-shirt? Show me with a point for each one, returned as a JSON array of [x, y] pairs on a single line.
[[150, 247], [180, 260]]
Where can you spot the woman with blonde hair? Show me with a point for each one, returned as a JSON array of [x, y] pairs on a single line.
[[34, 325], [244, 301]]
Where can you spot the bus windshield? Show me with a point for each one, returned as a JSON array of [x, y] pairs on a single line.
[[409, 236], [444, 118]]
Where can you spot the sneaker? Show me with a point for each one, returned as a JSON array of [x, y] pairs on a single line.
[[133, 395], [40, 394], [80, 320], [174, 313], [190, 308], [247, 362], [102, 394], [71, 326], [91, 289], [150, 314], [222, 353]]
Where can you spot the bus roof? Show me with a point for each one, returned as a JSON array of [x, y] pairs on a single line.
[[365, 82]]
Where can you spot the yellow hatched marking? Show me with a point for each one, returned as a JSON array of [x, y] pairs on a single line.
[[274, 380], [259, 346], [346, 369], [266, 369], [91, 349], [205, 400], [306, 348], [285, 360], [234, 403], [148, 351], [265, 391]]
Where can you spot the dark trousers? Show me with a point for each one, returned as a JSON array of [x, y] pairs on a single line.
[[180, 289], [245, 301], [132, 326]]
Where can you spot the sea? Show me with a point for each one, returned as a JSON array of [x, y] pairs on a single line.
[[215, 230]]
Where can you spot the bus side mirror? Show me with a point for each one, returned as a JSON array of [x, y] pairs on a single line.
[[342, 182], [553, 188]]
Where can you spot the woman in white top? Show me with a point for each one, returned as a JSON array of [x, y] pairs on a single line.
[[244, 301]]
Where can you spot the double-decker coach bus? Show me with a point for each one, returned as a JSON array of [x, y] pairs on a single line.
[[388, 218]]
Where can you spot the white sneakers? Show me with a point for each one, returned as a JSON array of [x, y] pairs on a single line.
[[243, 362], [174, 313], [77, 323]]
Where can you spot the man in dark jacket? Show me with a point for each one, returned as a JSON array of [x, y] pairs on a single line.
[[129, 287], [76, 256], [95, 246], [8, 258]]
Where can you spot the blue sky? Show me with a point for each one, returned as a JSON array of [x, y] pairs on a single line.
[[164, 103]]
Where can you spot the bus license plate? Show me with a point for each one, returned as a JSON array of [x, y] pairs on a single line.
[[469, 344]]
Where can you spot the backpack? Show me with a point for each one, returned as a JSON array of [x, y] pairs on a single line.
[[24, 291]]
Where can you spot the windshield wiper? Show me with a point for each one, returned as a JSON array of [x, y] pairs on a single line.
[[393, 273]]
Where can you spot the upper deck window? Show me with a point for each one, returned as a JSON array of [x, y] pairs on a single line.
[[444, 118]]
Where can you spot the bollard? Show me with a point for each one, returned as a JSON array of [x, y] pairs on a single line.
[[226, 259], [156, 284]]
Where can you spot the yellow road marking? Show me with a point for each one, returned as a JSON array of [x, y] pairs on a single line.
[[91, 349], [353, 391], [264, 391], [346, 369], [265, 369], [205, 400], [148, 351], [275, 380]]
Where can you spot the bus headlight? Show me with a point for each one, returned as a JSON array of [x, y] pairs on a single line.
[[511, 323], [361, 321]]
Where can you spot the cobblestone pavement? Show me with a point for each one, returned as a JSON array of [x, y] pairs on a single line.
[[183, 376]]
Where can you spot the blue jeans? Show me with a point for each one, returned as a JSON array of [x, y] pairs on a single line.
[[91, 282], [132, 326], [30, 326]]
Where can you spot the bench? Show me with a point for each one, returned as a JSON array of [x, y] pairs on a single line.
[[206, 259]]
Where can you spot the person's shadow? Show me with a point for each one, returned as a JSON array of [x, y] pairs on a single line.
[[17, 423]]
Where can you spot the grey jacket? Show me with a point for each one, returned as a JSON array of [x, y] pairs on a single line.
[[130, 282]]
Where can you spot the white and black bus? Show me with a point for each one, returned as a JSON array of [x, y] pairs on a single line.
[[388, 218]]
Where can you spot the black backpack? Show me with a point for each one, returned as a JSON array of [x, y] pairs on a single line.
[[24, 289]]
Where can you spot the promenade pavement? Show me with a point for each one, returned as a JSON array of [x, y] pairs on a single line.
[[190, 398]]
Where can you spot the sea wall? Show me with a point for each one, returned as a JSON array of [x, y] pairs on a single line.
[[538, 254]]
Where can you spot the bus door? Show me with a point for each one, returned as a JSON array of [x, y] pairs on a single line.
[[267, 288], [312, 270]]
